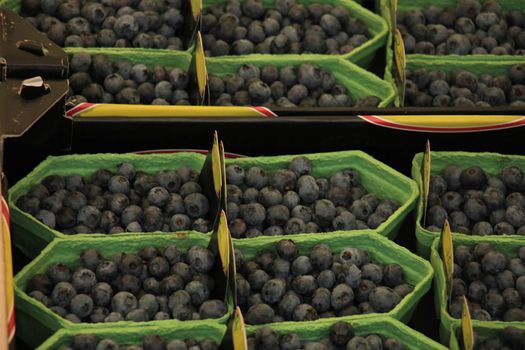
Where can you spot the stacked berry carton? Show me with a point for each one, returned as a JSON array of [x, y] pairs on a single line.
[[451, 57], [135, 336], [417, 273], [143, 27], [31, 235], [385, 327], [359, 83], [36, 322], [491, 163], [492, 306]]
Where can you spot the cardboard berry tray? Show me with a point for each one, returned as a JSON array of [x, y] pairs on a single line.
[[418, 271], [359, 82], [507, 246], [384, 326], [377, 178], [492, 163], [187, 32], [408, 5], [124, 336], [362, 55], [35, 322], [31, 236], [484, 331], [478, 65]]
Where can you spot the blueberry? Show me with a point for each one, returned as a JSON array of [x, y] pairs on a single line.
[[504, 228], [512, 177], [342, 296], [81, 305], [106, 271], [305, 312], [394, 275], [253, 213], [493, 262], [475, 209], [201, 259], [212, 309], [270, 196], [458, 44], [84, 341]]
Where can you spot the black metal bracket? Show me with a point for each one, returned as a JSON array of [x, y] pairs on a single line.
[[33, 74]]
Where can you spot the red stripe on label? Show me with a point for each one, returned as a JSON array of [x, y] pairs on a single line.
[[11, 325], [266, 112], [388, 124], [79, 109]]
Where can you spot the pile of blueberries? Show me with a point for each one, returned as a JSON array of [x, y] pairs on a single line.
[[462, 88], [511, 338], [470, 28], [154, 284], [341, 336], [307, 86], [282, 285], [291, 201], [97, 79], [150, 342], [113, 23], [493, 283], [123, 201], [247, 27], [477, 203]]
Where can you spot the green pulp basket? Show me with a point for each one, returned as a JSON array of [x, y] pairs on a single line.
[[377, 178], [362, 55], [359, 82], [507, 5], [492, 163], [418, 271], [507, 246], [31, 236], [384, 326], [16, 6], [127, 336], [35, 322]]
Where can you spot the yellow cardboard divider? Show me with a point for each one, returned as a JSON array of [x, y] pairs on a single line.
[[467, 333], [447, 254]]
